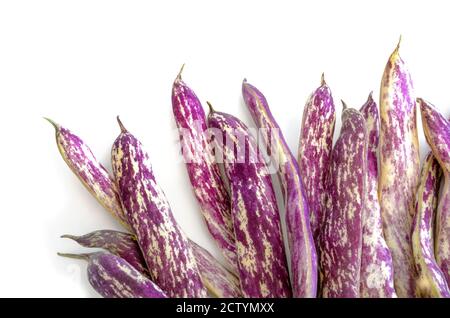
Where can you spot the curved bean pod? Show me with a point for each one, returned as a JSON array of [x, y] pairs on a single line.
[[430, 279], [80, 159], [118, 243], [164, 245], [399, 169], [262, 263], [218, 281], [437, 133], [377, 277], [113, 277], [203, 172], [300, 239], [341, 239], [314, 153]]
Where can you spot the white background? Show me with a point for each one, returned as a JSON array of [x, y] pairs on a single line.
[[84, 62]]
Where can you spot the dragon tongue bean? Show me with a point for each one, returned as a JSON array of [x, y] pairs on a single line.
[[113, 277], [301, 244], [316, 142], [203, 172], [218, 281], [80, 159], [341, 239], [164, 245], [377, 278], [430, 279], [262, 262], [437, 133], [399, 169]]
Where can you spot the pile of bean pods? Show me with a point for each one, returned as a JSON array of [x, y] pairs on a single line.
[[362, 219]]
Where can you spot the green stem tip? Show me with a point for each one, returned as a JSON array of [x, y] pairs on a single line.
[[75, 256], [122, 127], [54, 124], [181, 71], [211, 108]]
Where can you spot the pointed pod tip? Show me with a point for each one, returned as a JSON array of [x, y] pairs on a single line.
[[75, 256], [322, 79], [54, 124], [211, 108], [180, 72], [344, 105], [370, 98], [122, 127], [68, 236]]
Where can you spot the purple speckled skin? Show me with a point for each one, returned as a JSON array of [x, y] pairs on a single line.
[[80, 159], [262, 265], [113, 277], [377, 272], [430, 280], [316, 143], [118, 243], [437, 133], [341, 239], [399, 169], [218, 281], [300, 239], [203, 172], [164, 245]]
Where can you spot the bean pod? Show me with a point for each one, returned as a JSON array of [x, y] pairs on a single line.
[[399, 169], [377, 277], [218, 281], [164, 245], [316, 143], [80, 159], [437, 133], [259, 245], [301, 244], [341, 239], [430, 280], [113, 277], [203, 172]]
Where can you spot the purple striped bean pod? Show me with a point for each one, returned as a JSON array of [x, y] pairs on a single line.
[[203, 172], [218, 281], [118, 243], [341, 238], [300, 239], [377, 276], [164, 245], [316, 143], [113, 277], [430, 281], [399, 169], [437, 133], [80, 159], [262, 263]]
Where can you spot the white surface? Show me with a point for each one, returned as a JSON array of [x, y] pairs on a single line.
[[83, 62]]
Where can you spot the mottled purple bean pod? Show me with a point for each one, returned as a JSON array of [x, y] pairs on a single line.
[[399, 169], [377, 275], [118, 243], [219, 282], [316, 143], [80, 159], [437, 133], [430, 281], [215, 277], [164, 245], [300, 239], [203, 172], [262, 263], [341, 239], [113, 277]]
